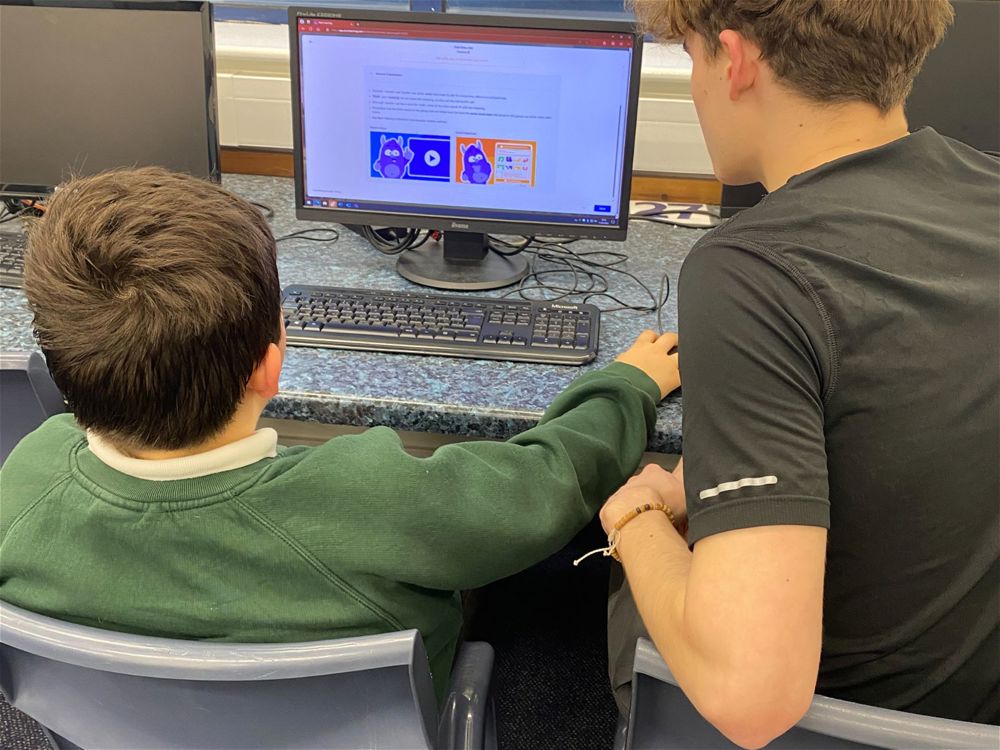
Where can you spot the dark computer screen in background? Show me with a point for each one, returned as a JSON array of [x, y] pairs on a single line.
[[465, 124], [958, 90], [87, 86]]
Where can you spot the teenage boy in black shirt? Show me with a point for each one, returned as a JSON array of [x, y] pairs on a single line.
[[839, 354]]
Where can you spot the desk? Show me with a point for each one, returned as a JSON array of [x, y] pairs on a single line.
[[455, 397]]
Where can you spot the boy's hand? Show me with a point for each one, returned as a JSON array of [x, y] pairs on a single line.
[[650, 354], [652, 484]]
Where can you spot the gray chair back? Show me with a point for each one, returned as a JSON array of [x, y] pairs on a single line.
[[662, 717], [117, 691], [27, 397]]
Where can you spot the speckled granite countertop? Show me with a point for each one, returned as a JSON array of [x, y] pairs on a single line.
[[429, 394]]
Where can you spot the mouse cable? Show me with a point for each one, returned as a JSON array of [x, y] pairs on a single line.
[[315, 234]]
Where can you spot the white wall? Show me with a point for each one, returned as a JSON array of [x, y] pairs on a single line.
[[255, 107]]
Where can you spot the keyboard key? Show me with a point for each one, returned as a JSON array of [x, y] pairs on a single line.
[[545, 341]]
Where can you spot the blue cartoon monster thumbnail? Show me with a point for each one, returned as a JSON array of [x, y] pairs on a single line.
[[477, 168], [392, 158], [411, 156]]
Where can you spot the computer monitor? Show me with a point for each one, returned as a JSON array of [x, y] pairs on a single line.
[[958, 90], [466, 124], [88, 85]]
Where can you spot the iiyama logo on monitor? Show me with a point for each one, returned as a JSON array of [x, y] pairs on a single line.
[[459, 225]]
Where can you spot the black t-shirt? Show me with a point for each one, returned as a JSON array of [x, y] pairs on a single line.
[[840, 362]]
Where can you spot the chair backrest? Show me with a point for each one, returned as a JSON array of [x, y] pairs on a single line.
[[27, 397], [109, 690], [662, 717]]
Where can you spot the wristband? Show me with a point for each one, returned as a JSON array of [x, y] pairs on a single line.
[[612, 549]]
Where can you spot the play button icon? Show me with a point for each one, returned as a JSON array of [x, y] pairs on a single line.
[[431, 157]]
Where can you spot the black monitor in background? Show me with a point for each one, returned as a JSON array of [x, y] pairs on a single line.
[[89, 85], [466, 124], [957, 91]]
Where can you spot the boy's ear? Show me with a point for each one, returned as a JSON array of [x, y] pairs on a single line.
[[743, 62], [264, 380]]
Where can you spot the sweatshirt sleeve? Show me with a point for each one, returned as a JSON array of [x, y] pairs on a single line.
[[475, 512]]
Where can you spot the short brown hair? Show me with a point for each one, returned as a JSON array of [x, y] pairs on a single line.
[[155, 296], [828, 50]]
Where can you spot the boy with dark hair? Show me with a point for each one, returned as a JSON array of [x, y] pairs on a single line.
[[157, 305], [841, 393]]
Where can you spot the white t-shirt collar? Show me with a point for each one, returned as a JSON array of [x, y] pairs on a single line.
[[262, 444]]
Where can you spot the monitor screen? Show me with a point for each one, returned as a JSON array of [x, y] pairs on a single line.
[[476, 123], [87, 86], [958, 90]]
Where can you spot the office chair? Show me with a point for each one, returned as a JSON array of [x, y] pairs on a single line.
[[662, 718], [96, 689], [27, 397]]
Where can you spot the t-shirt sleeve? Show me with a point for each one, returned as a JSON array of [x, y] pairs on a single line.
[[755, 363]]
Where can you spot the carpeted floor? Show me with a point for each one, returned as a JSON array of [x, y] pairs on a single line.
[[18, 732], [549, 630]]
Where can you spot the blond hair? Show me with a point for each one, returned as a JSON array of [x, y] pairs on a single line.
[[828, 50]]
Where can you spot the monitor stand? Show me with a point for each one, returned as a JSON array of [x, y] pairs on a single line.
[[465, 263]]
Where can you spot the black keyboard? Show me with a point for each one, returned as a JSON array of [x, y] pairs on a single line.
[[12, 259], [441, 324]]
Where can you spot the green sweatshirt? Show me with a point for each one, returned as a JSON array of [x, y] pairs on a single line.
[[349, 538]]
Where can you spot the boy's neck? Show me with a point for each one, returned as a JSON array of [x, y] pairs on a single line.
[[242, 425], [806, 137]]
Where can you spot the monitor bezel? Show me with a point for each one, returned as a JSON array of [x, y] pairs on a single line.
[[462, 223], [39, 191]]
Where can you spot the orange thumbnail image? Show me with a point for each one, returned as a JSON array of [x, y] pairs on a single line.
[[495, 161]]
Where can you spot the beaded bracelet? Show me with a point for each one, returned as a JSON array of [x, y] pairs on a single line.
[[612, 549]]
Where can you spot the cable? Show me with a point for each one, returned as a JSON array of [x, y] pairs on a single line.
[[392, 241], [556, 272], [15, 209], [312, 235], [264, 209], [513, 249], [685, 211], [658, 217], [669, 223]]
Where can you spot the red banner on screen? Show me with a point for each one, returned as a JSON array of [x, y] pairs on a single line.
[[472, 34]]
